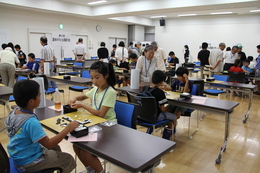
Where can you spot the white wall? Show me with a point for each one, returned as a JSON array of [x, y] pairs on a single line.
[[18, 22], [139, 33], [244, 29]]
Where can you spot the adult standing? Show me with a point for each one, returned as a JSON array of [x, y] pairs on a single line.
[[230, 58], [241, 55], [139, 47], [20, 54], [186, 53], [113, 51], [257, 73], [121, 53], [147, 64], [102, 52], [48, 56], [7, 66], [80, 50], [160, 55], [203, 57], [215, 59]]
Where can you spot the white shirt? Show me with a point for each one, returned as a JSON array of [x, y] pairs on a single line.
[[121, 53], [159, 53], [214, 56], [80, 49], [9, 57], [147, 67], [252, 65], [47, 53], [230, 57]]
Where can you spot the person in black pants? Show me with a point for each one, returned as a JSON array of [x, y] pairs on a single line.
[[203, 57], [186, 54]]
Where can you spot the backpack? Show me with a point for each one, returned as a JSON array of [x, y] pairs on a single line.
[[147, 92]]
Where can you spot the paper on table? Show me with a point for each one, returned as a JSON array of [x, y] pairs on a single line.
[[89, 137], [199, 100], [53, 107]]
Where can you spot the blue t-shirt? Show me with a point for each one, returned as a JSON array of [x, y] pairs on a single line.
[[32, 65], [247, 69], [24, 147], [177, 86]]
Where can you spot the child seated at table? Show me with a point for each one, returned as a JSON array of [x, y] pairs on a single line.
[[29, 146], [246, 67], [31, 64], [103, 97], [236, 67], [181, 85], [158, 78], [252, 64]]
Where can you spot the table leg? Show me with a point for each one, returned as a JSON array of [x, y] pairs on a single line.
[[249, 106], [224, 146]]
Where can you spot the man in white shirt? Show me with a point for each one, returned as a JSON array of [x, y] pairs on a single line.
[[159, 54], [215, 59], [80, 50], [7, 66], [121, 53], [230, 58]]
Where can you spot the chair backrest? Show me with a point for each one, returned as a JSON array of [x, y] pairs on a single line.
[[21, 78], [67, 59], [38, 59], [236, 77], [125, 114], [78, 63], [94, 57], [4, 160], [195, 89], [221, 77], [85, 74], [147, 108]]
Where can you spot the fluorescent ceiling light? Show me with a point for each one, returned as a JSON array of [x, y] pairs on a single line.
[[97, 2], [222, 12], [187, 15], [254, 11], [157, 16]]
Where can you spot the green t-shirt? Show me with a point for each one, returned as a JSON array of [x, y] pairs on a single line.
[[109, 100]]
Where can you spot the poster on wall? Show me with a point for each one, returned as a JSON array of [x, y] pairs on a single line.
[[212, 44], [4, 36], [61, 38]]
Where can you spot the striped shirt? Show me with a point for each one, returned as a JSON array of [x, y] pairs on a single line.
[[47, 53]]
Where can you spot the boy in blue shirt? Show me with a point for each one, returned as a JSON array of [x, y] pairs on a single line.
[[29, 146], [246, 67], [31, 64]]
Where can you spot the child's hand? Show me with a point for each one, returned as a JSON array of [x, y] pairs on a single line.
[[76, 105], [70, 102], [185, 77], [72, 125]]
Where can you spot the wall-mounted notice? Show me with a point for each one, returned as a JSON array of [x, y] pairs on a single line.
[[61, 38]]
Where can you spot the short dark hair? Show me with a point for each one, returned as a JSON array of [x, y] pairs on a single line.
[[205, 45], [25, 90], [258, 46], [143, 44], [186, 46], [80, 40], [234, 47], [181, 71], [133, 56], [158, 76], [250, 58], [11, 45], [102, 44], [228, 49], [31, 55], [121, 43], [114, 45], [17, 46], [237, 62], [112, 61], [131, 43], [4, 46], [105, 69], [44, 39], [247, 60], [171, 53]]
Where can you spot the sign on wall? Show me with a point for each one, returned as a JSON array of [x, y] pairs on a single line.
[[61, 38]]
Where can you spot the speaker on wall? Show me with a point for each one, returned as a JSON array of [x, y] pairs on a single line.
[[162, 22]]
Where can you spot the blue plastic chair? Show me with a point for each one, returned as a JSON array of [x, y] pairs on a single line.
[[125, 114], [75, 72], [84, 74], [38, 59], [67, 59], [216, 92], [94, 57]]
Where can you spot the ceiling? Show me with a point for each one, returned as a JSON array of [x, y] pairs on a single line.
[[136, 11]]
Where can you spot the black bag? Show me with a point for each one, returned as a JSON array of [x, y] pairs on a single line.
[[147, 91]]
